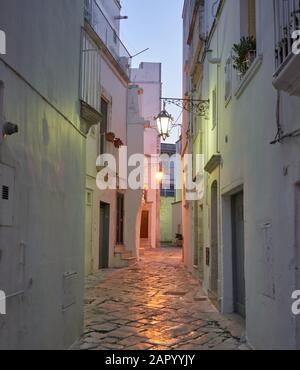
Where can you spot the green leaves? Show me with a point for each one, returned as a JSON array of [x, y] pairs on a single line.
[[242, 57]]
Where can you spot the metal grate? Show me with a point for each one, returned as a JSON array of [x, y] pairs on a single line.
[[287, 20], [5, 192]]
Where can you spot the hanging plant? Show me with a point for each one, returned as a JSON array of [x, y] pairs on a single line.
[[245, 53], [118, 143]]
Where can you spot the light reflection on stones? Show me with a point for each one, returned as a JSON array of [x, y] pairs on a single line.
[[155, 305]]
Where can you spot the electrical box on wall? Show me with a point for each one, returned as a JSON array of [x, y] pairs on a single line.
[[7, 184]]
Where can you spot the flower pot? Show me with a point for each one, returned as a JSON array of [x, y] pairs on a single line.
[[250, 58], [110, 137]]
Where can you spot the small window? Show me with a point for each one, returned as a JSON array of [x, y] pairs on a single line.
[[248, 18], [252, 18]]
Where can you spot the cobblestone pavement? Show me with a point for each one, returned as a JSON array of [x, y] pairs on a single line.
[[155, 305]]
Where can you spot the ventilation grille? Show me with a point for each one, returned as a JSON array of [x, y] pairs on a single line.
[[5, 192]]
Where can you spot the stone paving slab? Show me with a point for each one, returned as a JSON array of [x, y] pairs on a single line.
[[156, 304]]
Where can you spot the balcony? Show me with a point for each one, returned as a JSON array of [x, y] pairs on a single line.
[[108, 35], [90, 87], [287, 20]]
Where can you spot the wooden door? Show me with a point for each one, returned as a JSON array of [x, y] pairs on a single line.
[[104, 236], [145, 225]]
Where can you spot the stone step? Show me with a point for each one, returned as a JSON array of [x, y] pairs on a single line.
[[132, 261], [125, 255]]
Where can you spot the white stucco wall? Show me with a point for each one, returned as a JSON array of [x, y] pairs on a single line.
[[148, 78], [114, 91], [44, 245], [268, 175]]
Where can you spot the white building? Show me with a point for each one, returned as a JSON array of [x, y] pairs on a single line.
[[106, 209], [42, 177], [250, 252], [148, 78]]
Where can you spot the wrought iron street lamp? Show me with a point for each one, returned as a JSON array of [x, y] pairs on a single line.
[[165, 121]]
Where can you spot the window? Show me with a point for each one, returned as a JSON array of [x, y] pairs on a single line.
[[228, 79], [103, 125], [248, 18], [245, 51], [252, 18]]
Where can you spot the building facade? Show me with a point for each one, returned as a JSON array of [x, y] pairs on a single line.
[[177, 231], [42, 167], [167, 194], [247, 224], [106, 209], [149, 79]]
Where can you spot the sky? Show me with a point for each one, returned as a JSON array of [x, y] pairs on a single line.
[[157, 24]]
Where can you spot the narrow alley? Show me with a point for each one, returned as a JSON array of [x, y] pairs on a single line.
[[149, 176], [155, 305]]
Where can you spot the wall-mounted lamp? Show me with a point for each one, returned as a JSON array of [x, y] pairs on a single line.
[[9, 129], [164, 120]]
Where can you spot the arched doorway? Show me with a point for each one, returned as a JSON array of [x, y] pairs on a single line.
[[214, 240]]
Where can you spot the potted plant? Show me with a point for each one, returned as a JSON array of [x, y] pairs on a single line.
[[179, 240], [245, 53], [110, 137]]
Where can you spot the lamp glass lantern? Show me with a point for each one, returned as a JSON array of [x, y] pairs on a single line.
[[164, 123]]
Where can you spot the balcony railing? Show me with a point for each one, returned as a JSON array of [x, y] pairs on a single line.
[[287, 20], [108, 35]]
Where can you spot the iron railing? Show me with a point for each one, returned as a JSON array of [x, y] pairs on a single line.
[[287, 20], [90, 73], [108, 35]]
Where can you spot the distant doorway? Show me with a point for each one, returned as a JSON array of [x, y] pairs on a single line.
[[238, 254], [104, 236], [145, 225], [214, 240]]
